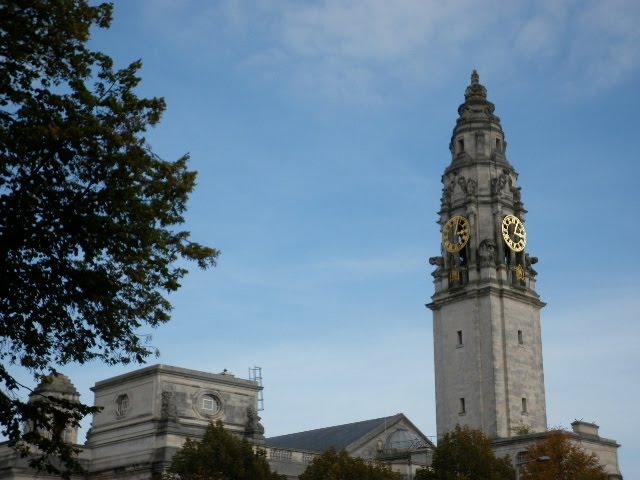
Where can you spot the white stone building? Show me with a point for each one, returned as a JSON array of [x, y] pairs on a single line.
[[148, 414]]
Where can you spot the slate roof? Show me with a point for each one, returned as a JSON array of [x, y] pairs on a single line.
[[338, 436]]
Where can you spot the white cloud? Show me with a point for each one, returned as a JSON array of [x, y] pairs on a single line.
[[350, 50], [609, 37], [374, 30], [358, 51], [307, 276], [537, 37]]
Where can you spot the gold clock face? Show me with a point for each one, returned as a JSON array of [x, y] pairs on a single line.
[[455, 234], [514, 233]]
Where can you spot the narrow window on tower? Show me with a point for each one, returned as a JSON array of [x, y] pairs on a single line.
[[462, 255], [463, 407], [520, 342], [460, 145], [459, 339], [498, 145], [524, 406]]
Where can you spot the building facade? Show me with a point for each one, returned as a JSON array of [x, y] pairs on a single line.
[[147, 415]]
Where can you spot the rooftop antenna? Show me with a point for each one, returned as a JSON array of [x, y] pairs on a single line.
[[255, 375]]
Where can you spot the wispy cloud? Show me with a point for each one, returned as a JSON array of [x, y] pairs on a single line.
[[359, 50], [311, 273], [319, 382], [609, 37]]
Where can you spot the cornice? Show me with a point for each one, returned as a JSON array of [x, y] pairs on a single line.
[[469, 291]]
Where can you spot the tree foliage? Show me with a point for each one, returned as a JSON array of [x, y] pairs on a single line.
[[334, 465], [465, 454], [567, 461], [220, 456], [89, 215]]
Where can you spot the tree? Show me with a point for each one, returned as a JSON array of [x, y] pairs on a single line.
[[465, 454], [220, 456], [89, 215], [334, 465], [567, 461]]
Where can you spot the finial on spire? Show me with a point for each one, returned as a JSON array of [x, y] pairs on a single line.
[[475, 99], [475, 78]]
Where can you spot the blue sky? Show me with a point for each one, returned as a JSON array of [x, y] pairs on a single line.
[[320, 131]]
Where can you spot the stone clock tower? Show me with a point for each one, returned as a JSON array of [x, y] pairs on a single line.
[[486, 312]]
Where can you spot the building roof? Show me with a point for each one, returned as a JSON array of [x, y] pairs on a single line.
[[338, 436], [168, 370]]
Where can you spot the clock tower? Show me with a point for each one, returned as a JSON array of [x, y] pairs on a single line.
[[486, 312]]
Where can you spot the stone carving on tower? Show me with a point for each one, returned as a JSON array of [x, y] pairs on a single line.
[[486, 312], [253, 428]]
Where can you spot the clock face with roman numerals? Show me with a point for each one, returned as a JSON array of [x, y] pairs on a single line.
[[455, 234], [514, 233]]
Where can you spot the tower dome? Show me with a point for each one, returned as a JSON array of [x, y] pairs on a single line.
[[400, 439], [478, 134], [57, 385], [52, 387]]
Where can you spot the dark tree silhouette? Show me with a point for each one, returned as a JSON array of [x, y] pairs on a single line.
[[334, 465], [220, 456], [465, 454], [566, 460], [89, 215]]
